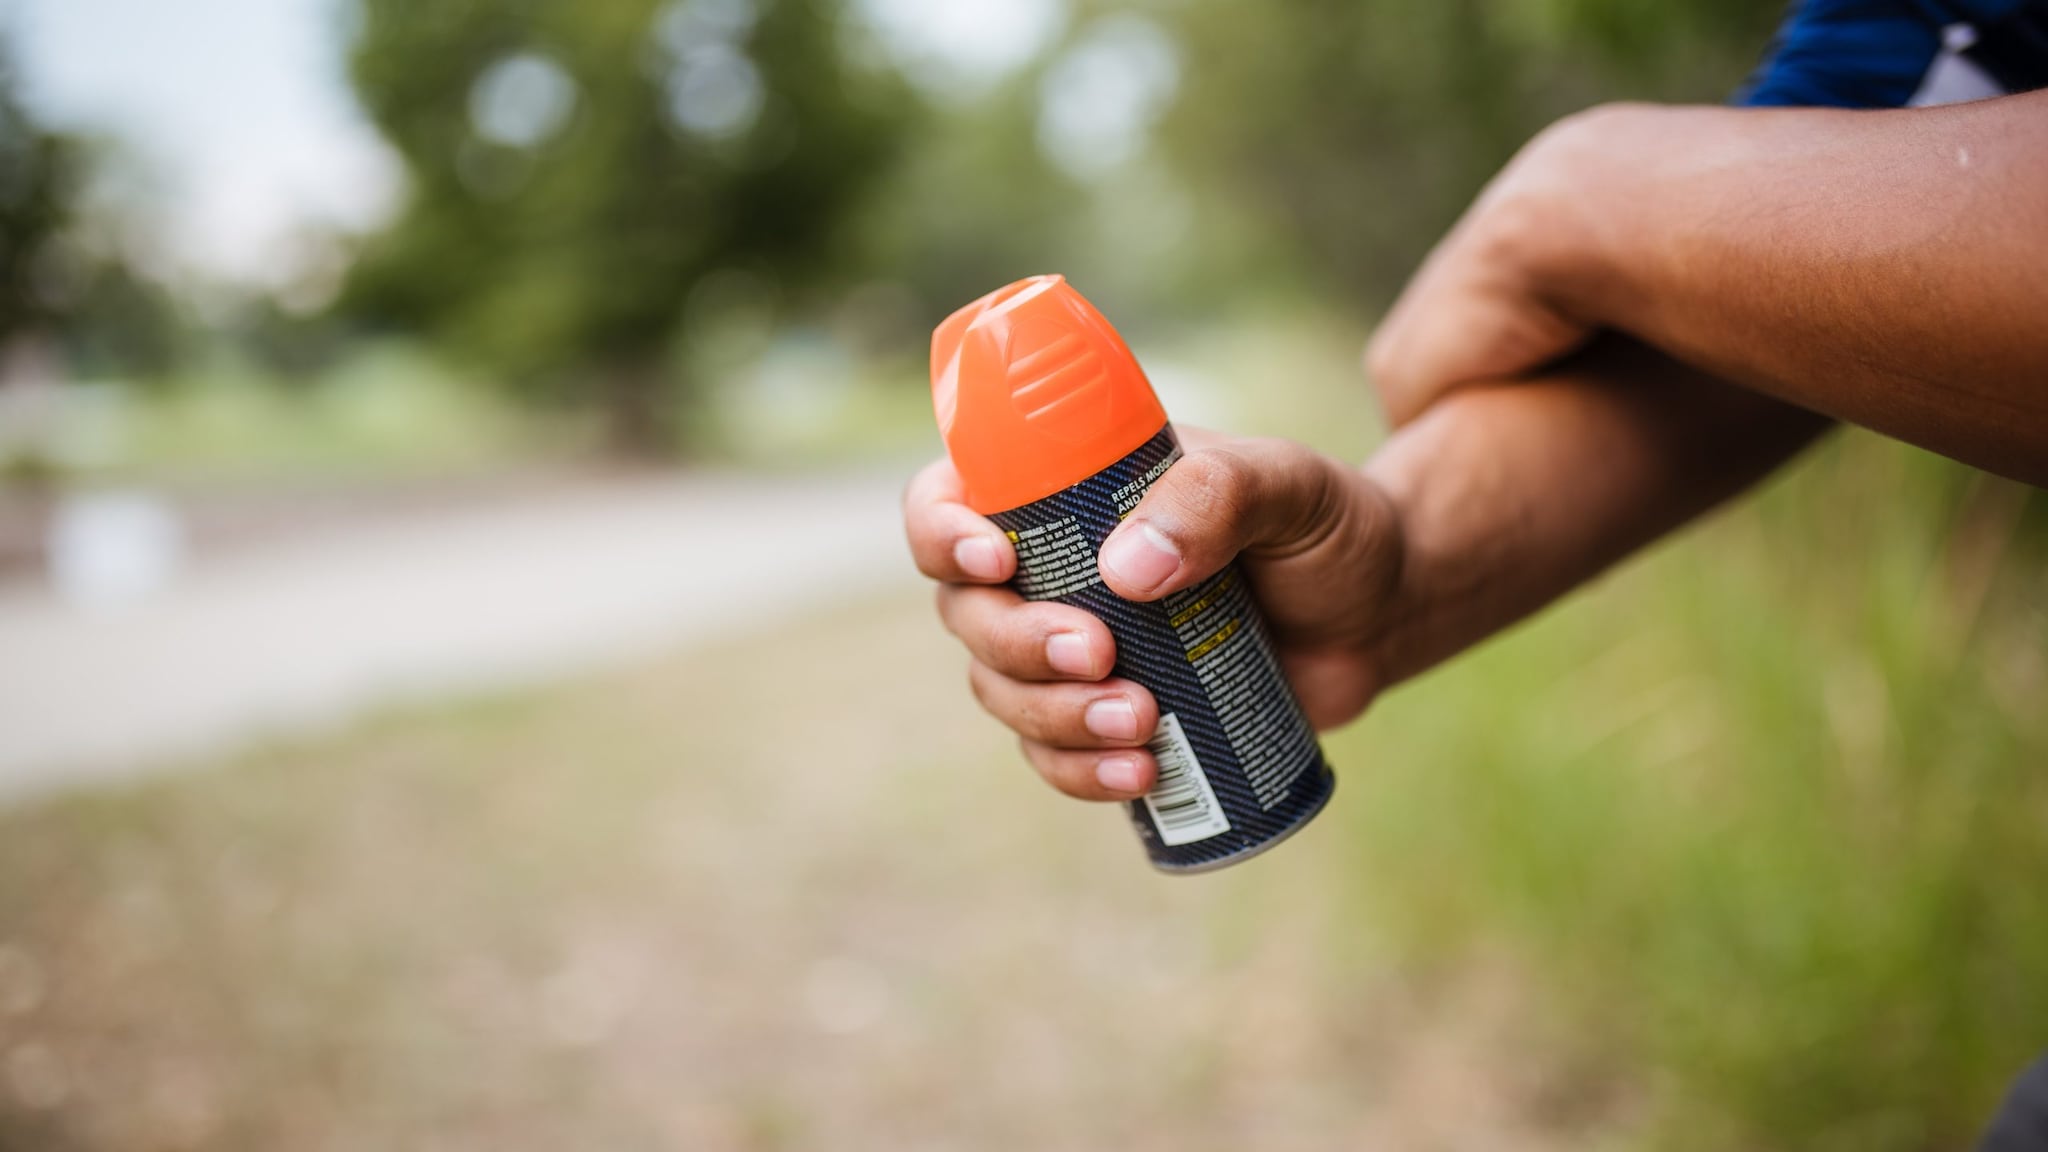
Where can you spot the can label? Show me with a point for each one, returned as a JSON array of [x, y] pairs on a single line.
[[1239, 767]]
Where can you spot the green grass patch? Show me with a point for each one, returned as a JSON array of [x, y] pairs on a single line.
[[386, 410], [1764, 814]]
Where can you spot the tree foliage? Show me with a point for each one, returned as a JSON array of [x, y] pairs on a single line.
[[1355, 131], [576, 170], [39, 173], [62, 280]]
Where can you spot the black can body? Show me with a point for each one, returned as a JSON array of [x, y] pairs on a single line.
[[1239, 766]]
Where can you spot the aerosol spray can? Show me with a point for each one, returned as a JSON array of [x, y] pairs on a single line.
[[1057, 435]]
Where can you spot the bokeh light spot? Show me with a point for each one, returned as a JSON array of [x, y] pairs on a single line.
[[522, 100]]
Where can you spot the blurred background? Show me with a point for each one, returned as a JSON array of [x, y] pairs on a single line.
[[461, 685]]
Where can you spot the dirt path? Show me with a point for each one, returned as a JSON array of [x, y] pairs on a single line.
[[773, 884], [788, 892], [306, 632]]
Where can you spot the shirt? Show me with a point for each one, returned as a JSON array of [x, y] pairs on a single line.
[[1894, 53]]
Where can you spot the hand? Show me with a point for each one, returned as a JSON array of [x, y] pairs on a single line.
[[1505, 292], [1321, 550]]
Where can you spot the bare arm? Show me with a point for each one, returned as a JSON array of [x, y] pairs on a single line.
[[1512, 494], [1886, 268]]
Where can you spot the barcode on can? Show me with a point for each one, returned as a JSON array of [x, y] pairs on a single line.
[[1183, 805]]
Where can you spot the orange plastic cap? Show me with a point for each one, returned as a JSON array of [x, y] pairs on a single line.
[[1035, 392]]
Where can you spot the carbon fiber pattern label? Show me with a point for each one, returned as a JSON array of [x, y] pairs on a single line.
[[1239, 765]]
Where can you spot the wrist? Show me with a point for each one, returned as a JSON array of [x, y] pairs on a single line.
[[1587, 208], [1614, 194], [1438, 571]]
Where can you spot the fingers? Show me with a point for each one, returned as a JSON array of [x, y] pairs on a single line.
[[1037, 667], [1027, 640], [949, 541], [1111, 714], [1273, 495], [1088, 775]]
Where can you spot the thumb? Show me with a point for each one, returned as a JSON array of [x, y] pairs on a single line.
[[1258, 495]]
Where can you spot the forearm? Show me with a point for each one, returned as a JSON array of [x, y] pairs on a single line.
[[1886, 268], [1509, 496]]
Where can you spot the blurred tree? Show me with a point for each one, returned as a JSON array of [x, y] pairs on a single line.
[[1355, 131], [974, 205], [290, 345], [39, 176], [58, 282], [116, 322], [577, 170]]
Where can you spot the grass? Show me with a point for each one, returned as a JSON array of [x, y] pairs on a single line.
[[386, 410], [393, 411], [1757, 821], [1763, 816]]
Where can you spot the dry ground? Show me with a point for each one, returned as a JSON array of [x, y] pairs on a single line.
[[788, 893]]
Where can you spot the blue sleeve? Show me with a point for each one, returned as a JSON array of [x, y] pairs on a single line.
[[1866, 54], [1848, 54]]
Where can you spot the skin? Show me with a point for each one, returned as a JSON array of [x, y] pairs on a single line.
[[1888, 269], [1557, 378]]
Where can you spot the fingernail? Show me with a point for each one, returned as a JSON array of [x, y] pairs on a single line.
[[1067, 652], [1119, 774], [976, 556], [1141, 557], [1112, 718]]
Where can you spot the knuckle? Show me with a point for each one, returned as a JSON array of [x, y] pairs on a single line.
[[1597, 118], [1016, 641], [999, 634], [978, 682], [1219, 482], [1551, 134], [1031, 715], [1375, 341], [1283, 455], [1565, 134], [1050, 764], [1511, 225], [933, 560], [915, 496], [947, 601], [1382, 357], [1065, 771], [1036, 755]]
